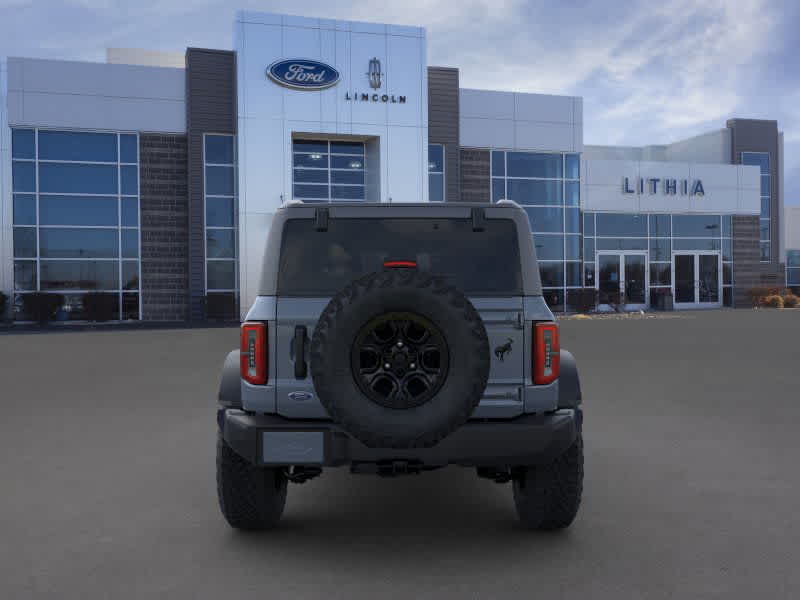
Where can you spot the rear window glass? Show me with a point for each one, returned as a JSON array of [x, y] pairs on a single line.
[[320, 263]]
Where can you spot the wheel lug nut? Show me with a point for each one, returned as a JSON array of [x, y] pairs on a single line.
[[387, 366], [413, 366], [399, 344]]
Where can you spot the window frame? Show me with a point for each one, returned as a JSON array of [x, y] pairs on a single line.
[[235, 217], [443, 173]]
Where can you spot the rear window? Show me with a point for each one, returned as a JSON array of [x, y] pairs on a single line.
[[320, 263]]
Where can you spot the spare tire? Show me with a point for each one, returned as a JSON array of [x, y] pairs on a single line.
[[399, 359]]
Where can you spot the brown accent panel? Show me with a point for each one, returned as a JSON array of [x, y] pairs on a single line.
[[164, 227], [475, 185], [210, 108], [443, 113], [746, 253]]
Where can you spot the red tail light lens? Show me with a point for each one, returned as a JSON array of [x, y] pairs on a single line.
[[400, 264], [253, 357], [546, 353]]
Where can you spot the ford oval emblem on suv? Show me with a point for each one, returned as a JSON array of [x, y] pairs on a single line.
[[303, 74]]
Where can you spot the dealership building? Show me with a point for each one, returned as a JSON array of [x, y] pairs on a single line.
[[154, 176]]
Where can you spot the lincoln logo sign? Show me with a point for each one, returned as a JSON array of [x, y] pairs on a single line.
[[670, 187], [302, 74]]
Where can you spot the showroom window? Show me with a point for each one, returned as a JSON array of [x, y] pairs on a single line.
[[547, 186], [761, 160], [76, 220], [793, 268], [436, 173], [658, 235], [325, 171], [222, 281]]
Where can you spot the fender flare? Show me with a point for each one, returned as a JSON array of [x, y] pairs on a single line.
[[230, 385], [569, 385]]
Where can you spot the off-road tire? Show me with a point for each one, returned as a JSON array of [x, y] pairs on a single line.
[[251, 498], [548, 497], [401, 290]]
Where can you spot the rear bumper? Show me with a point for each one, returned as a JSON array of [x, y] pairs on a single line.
[[526, 440]]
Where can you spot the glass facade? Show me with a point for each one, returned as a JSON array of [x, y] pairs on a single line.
[[325, 171], [221, 223], [660, 235], [436, 173], [793, 268], [76, 219], [547, 186], [761, 160]]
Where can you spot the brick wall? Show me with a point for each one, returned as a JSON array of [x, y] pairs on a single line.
[[475, 185], [165, 227]]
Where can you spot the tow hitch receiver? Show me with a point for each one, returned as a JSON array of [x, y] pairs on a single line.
[[390, 468]]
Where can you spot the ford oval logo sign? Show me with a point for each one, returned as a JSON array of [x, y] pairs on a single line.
[[303, 74]]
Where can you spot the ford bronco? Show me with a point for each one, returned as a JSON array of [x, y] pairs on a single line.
[[396, 339]]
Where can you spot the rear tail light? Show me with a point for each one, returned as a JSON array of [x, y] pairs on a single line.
[[546, 353], [253, 357], [400, 264]]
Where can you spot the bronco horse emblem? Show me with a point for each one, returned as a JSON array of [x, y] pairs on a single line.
[[501, 351]]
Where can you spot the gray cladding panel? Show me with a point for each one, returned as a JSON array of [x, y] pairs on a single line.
[[210, 108]]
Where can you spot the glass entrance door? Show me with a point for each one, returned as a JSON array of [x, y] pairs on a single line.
[[697, 279], [622, 280]]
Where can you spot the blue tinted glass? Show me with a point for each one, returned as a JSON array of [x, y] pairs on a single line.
[[220, 243], [219, 149], [573, 166], [24, 209], [573, 274], [219, 181], [588, 249], [347, 192], [572, 220], [498, 189], [621, 244], [549, 247], [347, 148], [78, 243], [572, 247], [77, 179], [661, 274], [696, 225], [765, 185], [23, 143], [572, 191], [529, 164], [765, 251], [219, 212], [130, 212], [765, 208], [588, 271], [727, 274], [130, 243], [24, 275], [309, 146], [80, 275], [660, 226], [528, 191], [23, 176], [130, 275], [793, 258], [726, 226], [660, 249], [552, 274], [436, 187], [347, 162], [435, 158], [221, 274], [588, 224], [129, 180], [759, 159], [763, 228], [25, 242], [727, 249], [130, 306], [695, 244], [315, 161], [357, 177], [310, 191], [498, 163], [628, 225], [128, 149], [74, 145], [793, 277], [311, 175], [77, 210], [546, 219]]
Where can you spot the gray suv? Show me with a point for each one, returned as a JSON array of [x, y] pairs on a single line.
[[395, 339]]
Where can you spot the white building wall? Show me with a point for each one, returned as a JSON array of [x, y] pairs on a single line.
[[490, 119], [148, 58], [83, 95], [269, 115], [711, 147], [729, 189]]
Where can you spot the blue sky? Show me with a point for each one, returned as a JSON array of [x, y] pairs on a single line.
[[649, 72]]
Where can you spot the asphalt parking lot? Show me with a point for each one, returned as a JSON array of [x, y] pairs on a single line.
[[692, 480]]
